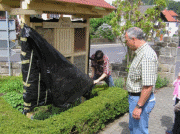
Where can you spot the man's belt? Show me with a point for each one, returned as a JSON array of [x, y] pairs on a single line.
[[134, 94]]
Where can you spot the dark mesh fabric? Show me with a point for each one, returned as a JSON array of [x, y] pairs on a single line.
[[63, 81]]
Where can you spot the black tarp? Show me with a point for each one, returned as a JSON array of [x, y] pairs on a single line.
[[52, 78]]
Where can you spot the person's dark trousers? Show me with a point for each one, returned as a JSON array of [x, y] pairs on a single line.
[[108, 80], [176, 126]]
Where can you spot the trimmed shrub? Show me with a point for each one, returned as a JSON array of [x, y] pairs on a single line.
[[88, 117]]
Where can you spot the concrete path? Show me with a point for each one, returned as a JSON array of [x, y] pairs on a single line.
[[161, 117]]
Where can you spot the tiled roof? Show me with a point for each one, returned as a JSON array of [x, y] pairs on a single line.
[[172, 13], [97, 3], [169, 15]]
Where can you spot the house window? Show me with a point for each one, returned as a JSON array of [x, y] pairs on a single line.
[[167, 24], [175, 17]]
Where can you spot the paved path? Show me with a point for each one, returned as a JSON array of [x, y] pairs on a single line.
[[161, 117]]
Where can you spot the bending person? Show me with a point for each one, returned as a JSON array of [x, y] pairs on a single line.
[[100, 68]]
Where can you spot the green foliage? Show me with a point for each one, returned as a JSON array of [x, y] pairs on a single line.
[[97, 22], [41, 113], [104, 31], [44, 112], [11, 83], [119, 82], [15, 100], [161, 82], [175, 35], [87, 117], [174, 5], [128, 13], [12, 88]]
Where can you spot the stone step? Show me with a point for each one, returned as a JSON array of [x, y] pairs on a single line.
[[15, 65], [4, 71], [4, 74]]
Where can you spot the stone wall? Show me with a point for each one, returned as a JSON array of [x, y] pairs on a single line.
[[101, 41], [119, 69], [15, 68], [167, 54]]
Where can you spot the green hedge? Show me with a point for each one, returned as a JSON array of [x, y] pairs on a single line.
[[88, 117]]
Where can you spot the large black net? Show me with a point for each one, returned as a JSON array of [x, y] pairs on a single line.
[[48, 77]]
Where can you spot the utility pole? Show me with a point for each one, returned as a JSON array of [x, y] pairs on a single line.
[[8, 38]]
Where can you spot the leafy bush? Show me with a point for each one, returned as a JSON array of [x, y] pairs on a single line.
[[161, 82], [104, 31], [119, 82], [12, 88], [97, 22], [15, 100]]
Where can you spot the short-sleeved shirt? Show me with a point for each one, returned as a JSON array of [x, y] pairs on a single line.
[[143, 70], [102, 67]]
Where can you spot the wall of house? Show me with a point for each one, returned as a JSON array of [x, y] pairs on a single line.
[[172, 27]]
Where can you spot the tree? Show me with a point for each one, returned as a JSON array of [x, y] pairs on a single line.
[[127, 12], [97, 22], [104, 31], [173, 5]]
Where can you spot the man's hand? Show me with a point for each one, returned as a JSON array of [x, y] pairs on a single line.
[[177, 107], [136, 113], [96, 81]]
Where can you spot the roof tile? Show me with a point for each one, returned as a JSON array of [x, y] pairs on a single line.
[[98, 3], [169, 15]]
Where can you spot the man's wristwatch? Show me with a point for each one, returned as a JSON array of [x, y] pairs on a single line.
[[139, 106]]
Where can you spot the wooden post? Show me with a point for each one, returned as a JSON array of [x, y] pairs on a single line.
[[29, 115], [25, 19], [87, 51], [87, 46]]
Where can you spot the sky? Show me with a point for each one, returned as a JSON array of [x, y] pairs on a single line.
[[110, 1]]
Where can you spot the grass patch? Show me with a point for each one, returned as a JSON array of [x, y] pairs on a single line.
[[10, 84]]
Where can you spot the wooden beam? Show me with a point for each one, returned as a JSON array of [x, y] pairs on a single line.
[[87, 16], [12, 4], [4, 7], [19, 11], [50, 7]]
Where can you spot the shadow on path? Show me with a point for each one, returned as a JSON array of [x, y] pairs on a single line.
[[167, 122], [125, 127]]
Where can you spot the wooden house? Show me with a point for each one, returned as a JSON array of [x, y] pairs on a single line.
[[69, 37]]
